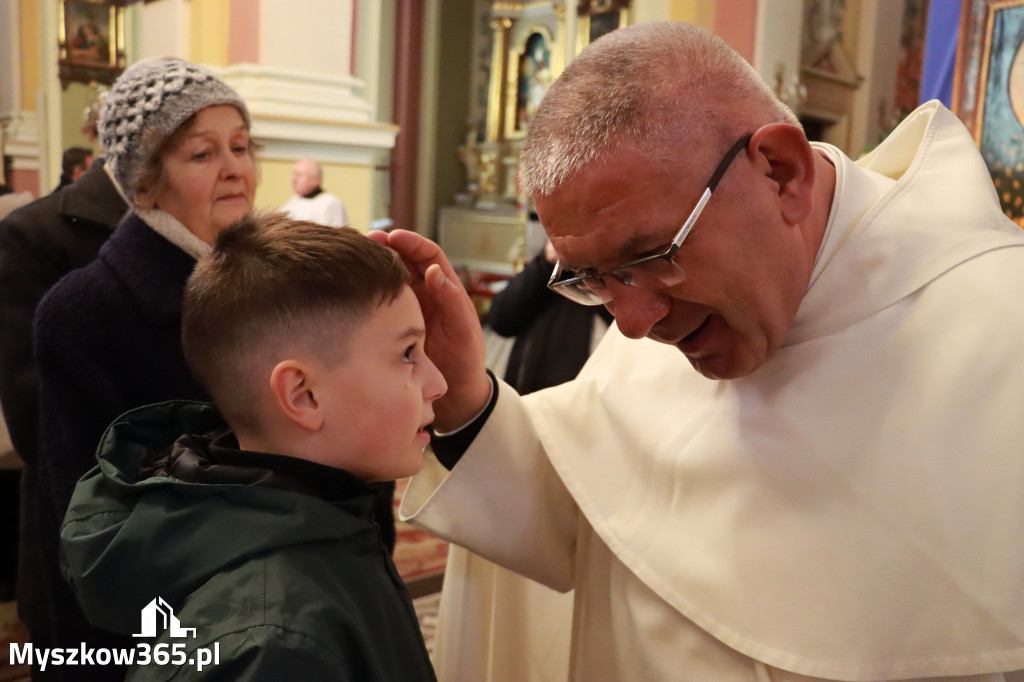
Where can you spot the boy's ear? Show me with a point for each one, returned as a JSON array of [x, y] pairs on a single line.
[[291, 382], [782, 153]]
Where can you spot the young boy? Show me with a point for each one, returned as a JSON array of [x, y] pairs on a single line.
[[257, 533]]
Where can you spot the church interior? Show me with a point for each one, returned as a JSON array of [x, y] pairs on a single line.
[[416, 111]]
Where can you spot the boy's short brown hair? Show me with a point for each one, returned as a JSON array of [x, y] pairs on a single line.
[[273, 286]]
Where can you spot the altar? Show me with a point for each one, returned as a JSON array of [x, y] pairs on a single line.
[[529, 44], [481, 240]]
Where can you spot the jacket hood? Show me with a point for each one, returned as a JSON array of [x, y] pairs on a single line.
[[128, 538]]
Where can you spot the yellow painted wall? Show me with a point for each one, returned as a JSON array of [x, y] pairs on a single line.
[[31, 71], [275, 183], [697, 12], [209, 32], [73, 102], [351, 184]]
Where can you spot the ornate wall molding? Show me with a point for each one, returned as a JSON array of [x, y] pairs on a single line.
[[298, 113], [21, 139]]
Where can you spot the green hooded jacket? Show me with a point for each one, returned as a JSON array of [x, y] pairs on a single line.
[[282, 577]]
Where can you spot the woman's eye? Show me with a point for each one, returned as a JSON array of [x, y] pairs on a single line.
[[200, 156], [407, 355]]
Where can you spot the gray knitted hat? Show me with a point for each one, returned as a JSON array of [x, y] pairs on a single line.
[[147, 103]]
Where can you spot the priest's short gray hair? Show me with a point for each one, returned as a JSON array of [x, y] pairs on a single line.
[[656, 86]]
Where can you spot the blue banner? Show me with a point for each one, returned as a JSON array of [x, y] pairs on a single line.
[[940, 51]]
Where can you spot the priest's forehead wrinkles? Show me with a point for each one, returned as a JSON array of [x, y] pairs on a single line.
[[604, 251], [597, 199]]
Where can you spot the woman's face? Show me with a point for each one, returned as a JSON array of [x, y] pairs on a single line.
[[210, 176]]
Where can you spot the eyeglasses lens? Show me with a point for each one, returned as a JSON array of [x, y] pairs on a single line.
[[653, 274]]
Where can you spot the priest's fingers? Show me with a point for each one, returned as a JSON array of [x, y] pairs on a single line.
[[455, 343], [419, 253]]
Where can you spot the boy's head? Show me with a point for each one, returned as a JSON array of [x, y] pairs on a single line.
[[310, 341]]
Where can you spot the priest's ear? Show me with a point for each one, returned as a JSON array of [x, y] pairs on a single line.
[[782, 153], [292, 385]]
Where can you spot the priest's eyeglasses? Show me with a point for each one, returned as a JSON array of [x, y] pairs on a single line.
[[650, 273]]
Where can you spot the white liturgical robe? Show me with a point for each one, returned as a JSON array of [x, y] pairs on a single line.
[[853, 510], [324, 208]]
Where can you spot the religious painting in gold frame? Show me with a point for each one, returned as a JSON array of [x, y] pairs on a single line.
[[595, 18], [91, 41], [988, 92], [530, 73]]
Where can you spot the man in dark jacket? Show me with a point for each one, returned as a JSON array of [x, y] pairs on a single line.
[[39, 244], [74, 163], [554, 336]]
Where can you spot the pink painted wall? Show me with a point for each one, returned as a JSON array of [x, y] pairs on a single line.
[[355, 35], [736, 23], [244, 32], [24, 181]]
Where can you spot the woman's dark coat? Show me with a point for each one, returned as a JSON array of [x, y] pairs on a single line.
[[107, 340]]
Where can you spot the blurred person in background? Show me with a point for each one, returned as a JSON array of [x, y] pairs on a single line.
[[310, 201], [40, 242], [73, 164], [553, 335]]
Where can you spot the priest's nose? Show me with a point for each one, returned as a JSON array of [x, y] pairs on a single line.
[[637, 311]]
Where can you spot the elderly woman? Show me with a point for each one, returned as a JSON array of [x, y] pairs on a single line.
[[176, 141]]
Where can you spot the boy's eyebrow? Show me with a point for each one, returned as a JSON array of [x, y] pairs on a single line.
[[412, 333]]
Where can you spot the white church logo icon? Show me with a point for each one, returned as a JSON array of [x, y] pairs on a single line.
[[158, 616]]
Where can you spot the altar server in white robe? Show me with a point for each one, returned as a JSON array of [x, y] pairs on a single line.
[[310, 201], [800, 452]]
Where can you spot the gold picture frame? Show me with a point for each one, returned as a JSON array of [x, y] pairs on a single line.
[[988, 92], [91, 41], [531, 71], [595, 18]]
